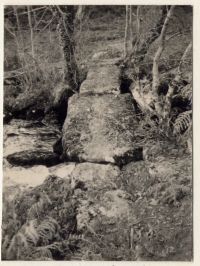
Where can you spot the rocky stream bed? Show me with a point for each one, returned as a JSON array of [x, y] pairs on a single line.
[[113, 196]]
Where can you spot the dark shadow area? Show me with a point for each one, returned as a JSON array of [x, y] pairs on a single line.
[[125, 85]]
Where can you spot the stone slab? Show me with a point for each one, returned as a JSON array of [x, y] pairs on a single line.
[[101, 130], [102, 79]]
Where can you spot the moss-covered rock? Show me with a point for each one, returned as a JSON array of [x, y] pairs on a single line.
[[101, 130], [102, 79]]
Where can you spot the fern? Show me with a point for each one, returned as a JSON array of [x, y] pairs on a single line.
[[37, 235], [31, 233], [18, 243], [183, 122], [44, 252], [75, 237], [186, 92], [38, 207], [47, 229]]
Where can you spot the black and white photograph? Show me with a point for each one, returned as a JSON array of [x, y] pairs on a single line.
[[97, 133]]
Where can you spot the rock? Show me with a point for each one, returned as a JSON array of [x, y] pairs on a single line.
[[30, 104], [101, 130], [31, 124], [63, 170], [95, 189], [99, 55], [136, 175], [92, 175], [32, 176], [109, 207], [23, 104], [109, 54], [22, 135], [34, 157], [114, 204], [101, 80]]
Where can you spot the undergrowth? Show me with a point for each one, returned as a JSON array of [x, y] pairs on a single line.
[[40, 223]]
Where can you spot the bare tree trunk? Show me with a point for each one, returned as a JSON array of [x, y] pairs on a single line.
[[155, 72], [34, 17], [66, 30], [154, 33], [167, 105], [79, 13], [18, 27], [31, 30], [138, 27], [147, 97], [126, 33], [131, 25], [162, 109], [183, 58]]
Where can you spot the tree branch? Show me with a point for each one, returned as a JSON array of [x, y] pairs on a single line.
[[155, 71], [126, 32]]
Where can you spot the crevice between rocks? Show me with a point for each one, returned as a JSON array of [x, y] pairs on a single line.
[[119, 160], [125, 84]]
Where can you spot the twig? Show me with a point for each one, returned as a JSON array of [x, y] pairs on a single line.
[[155, 71], [126, 33], [40, 18], [31, 31]]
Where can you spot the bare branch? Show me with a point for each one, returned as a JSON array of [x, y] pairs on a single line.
[[131, 25], [155, 72], [31, 31], [126, 32], [79, 12], [40, 18], [154, 33], [135, 41], [184, 56]]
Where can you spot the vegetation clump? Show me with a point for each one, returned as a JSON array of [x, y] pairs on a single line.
[[40, 223]]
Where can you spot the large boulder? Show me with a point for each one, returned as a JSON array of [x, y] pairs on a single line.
[[102, 79], [101, 129]]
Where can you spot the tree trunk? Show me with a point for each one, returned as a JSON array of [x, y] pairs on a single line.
[[31, 30], [66, 30], [147, 97], [137, 38], [154, 33], [126, 33], [184, 56], [155, 71]]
